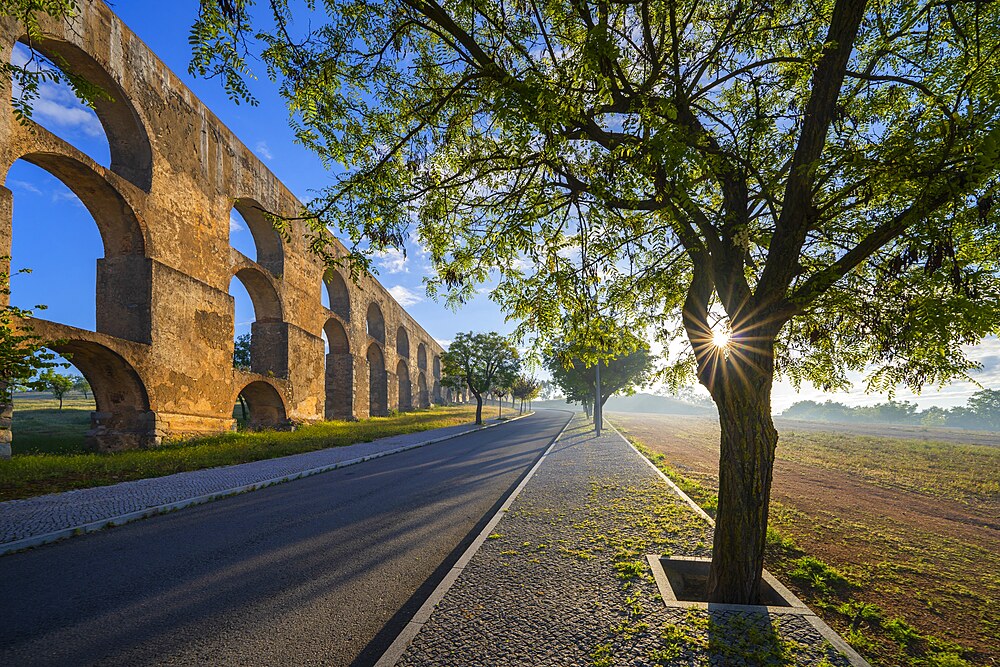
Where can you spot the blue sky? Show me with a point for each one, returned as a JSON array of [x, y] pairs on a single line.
[[55, 236]]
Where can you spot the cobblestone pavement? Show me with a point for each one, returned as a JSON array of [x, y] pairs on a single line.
[[42, 515], [562, 579]]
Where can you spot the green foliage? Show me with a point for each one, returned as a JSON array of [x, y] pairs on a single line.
[[982, 412], [483, 361], [22, 353], [816, 575], [55, 383], [39, 69], [577, 379], [807, 163], [241, 352], [81, 385]]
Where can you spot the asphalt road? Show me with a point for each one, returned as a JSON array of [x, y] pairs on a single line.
[[323, 570]]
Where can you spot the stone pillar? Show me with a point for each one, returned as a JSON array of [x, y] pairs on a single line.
[[269, 348], [124, 295], [118, 431]]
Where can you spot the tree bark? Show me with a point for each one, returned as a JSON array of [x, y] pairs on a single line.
[[746, 463], [479, 408], [6, 421]]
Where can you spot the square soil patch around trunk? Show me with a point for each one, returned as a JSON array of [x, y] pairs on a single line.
[[683, 582]]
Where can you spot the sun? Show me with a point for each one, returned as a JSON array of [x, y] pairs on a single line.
[[720, 338]]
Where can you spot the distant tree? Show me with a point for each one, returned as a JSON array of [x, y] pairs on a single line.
[[503, 387], [985, 405], [454, 384], [934, 416], [622, 373], [241, 352], [525, 388], [81, 385], [55, 383], [480, 359]]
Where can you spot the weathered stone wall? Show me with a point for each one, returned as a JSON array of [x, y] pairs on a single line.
[[160, 361]]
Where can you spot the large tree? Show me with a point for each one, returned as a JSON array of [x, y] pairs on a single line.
[[484, 361], [817, 179]]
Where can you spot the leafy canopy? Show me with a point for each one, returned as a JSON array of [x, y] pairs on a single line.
[[483, 360], [818, 176], [622, 373]]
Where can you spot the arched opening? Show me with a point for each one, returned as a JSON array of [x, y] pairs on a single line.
[[423, 397], [120, 419], [422, 357], [127, 141], [268, 345], [378, 387], [402, 343], [54, 417], [436, 393], [252, 234], [338, 297], [339, 372], [375, 323], [405, 390], [58, 202], [264, 407]]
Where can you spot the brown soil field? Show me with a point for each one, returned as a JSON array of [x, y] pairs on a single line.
[[913, 524]]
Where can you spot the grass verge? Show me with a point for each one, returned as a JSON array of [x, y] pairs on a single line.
[[880, 635], [26, 475]]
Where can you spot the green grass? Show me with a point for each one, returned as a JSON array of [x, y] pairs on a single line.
[[957, 472], [30, 474], [40, 427]]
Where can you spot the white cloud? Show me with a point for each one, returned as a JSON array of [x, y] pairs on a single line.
[[392, 260], [404, 296], [26, 186], [261, 148], [235, 225], [57, 103], [63, 195], [443, 342]]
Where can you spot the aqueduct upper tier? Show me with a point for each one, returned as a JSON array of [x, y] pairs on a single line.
[[161, 358]]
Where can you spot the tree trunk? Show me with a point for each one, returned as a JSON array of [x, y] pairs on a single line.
[[746, 463], [6, 421], [60, 402], [479, 408]]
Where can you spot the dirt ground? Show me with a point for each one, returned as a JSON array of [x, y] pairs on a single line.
[[915, 524]]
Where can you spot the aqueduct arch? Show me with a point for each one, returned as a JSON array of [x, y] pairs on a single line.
[[122, 419], [339, 372], [131, 153], [378, 389], [164, 311], [404, 393]]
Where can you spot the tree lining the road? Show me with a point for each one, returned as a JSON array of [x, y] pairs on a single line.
[[484, 362]]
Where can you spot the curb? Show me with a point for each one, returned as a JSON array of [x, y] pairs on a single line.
[[406, 636], [121, 519], [828, 633]]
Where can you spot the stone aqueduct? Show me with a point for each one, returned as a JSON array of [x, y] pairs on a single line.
[[160, 360]]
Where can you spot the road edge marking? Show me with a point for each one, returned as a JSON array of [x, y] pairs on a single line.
[[129, 517], [409, 632]]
